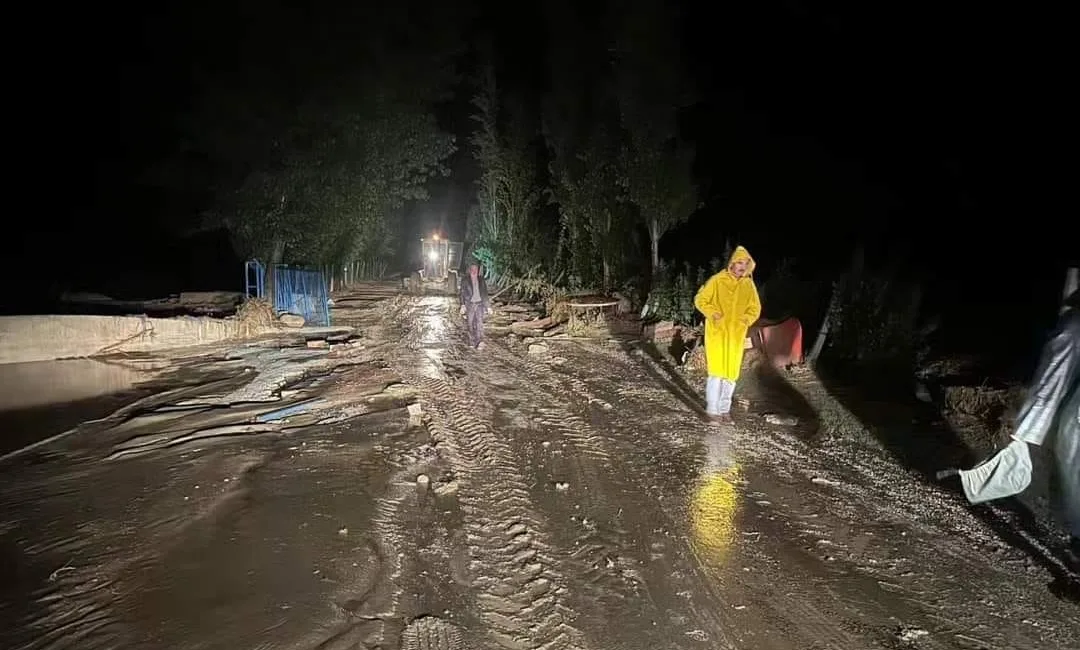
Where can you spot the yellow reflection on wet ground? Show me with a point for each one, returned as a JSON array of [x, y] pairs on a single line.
[[715, 503]]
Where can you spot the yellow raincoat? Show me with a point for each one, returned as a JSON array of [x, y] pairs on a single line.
[[736, 300]]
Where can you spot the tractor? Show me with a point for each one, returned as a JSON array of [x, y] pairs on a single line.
[[439, 274]]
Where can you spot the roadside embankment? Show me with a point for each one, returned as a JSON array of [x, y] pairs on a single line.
[[45, 338]]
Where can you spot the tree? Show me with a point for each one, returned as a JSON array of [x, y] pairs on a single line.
[[659, 182], [584, 139], [652, 88], [586, 187], [315, 153], [508, 194]]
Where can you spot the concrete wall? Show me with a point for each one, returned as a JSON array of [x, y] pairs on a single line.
[[44, 338]]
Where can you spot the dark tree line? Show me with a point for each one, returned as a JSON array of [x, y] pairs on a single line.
[[615, 166], [314, 130]]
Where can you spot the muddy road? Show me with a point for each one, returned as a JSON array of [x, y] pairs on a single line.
[[450, 499]]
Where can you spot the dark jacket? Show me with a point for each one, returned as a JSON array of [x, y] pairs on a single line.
[[467, 290]]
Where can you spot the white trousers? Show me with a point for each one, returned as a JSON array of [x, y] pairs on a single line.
[[718, 394]]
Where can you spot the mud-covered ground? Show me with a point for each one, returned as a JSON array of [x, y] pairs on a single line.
[[442, 498]]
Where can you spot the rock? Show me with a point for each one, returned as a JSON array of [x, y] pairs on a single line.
[[291, 320], [909, 635], [556, 331], [397, 388], [415, 416], [446, 489], [319, 344], [660, 331], [540, 324], [513, 309], [538, 348], [781, 420]]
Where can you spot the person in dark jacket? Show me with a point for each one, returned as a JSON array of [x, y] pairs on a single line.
[[474, 304]]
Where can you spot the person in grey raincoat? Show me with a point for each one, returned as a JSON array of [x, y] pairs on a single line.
[[474, 304], [1049, 418]]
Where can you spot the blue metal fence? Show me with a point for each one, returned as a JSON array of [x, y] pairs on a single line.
[[296, 291], [254, 279]]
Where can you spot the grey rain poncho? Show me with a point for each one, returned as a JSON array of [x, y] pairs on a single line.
[[1049, 418]]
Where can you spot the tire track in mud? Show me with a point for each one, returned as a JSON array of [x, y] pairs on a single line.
[[631, 453], [668, 425], [572, 426], [521, 596], [385, 607], [594, 554], [637, 448], [810, 615], [641, 386], [602, 582], [651, 456], [430, 633], [807, 608]]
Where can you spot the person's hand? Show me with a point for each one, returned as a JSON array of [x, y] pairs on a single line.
[[716, 317], [462, 310]]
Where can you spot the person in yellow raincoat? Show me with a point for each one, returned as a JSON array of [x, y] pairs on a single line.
[[729, 301]]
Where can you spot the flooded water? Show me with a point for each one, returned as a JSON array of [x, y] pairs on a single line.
[[28, 385], [41, 399], [567, 500]]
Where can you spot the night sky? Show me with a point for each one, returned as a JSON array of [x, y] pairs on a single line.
[[922, 131]]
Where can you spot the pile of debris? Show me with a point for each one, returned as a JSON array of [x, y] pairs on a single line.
[[529, 321], [194, 303], [524, 320], [366, 291]]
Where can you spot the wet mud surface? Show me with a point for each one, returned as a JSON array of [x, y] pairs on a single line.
[[441, 498]]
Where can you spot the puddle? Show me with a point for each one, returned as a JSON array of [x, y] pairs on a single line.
[[41, 399], [433, 325], [41, 383]]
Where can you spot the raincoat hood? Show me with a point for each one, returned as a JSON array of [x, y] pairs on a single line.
[[740, 253]]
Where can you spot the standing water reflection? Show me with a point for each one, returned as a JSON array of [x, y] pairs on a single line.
[[715, 502]]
